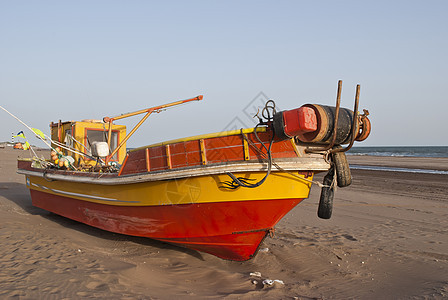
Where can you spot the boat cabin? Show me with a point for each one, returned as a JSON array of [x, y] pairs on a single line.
[[81, 135]]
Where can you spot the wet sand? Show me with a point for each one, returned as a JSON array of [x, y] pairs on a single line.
[[387, 239]]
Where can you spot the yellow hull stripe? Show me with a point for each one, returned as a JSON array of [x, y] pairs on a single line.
[[202, 189]]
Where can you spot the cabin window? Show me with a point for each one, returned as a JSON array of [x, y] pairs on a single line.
[[93, 135]]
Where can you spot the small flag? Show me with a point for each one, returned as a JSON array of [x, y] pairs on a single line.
[[39, 133], [20, 134]]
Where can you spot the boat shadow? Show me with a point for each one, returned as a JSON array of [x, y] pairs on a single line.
[[19, 194]]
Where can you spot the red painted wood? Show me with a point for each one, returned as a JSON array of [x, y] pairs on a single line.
[[179, 160], [224, 142], [225, 154], [192, 146], [238, 247], [218, 150], [135, 163], [230, 230], [177, 148], [157, 151]]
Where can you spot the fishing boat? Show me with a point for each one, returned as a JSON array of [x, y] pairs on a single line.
[[220, 193]]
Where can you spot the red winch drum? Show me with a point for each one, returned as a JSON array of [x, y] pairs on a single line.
[[313, 123]]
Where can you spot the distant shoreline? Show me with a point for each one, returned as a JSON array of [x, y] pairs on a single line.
[[422, 163]]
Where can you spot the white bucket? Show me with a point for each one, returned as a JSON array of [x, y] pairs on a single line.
[[100, 149]]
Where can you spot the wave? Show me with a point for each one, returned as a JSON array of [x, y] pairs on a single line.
[[404, 151], [394, 169]]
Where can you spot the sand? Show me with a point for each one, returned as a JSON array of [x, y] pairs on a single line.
[[387, 239]]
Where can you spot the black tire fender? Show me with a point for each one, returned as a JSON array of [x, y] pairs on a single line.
[[326, 197], [343, 174]]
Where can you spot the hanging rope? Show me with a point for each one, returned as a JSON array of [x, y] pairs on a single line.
[[244, 182], [267, 113], [280, 168]]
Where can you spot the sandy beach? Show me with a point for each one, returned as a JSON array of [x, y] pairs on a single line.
[[387, 239]]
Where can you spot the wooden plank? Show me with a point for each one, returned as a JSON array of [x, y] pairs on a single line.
[[168, 156], [124, 164], [245, 146], [203, 151], [148, 162], [303, 164]]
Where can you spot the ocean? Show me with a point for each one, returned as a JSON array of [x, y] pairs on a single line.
[[400, 151], [410, 151]]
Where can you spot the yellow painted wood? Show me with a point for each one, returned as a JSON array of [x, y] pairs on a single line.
[[78, 131], [245, 147], [294, 146], [168, 156], [203, 151], [201, 189], [148, 162]]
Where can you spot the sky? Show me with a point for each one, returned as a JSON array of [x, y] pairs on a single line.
[[73, 60]]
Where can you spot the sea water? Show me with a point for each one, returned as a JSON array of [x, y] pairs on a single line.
[[400, 151], [410, 151]]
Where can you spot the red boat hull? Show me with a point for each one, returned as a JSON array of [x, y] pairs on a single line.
[[230, 230]]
